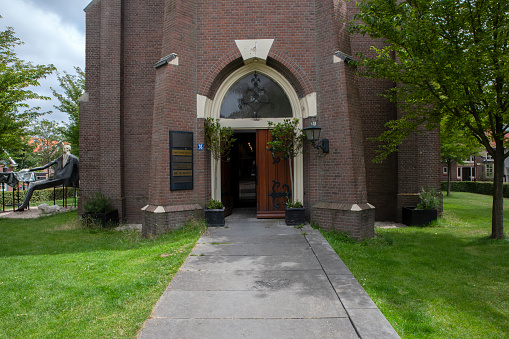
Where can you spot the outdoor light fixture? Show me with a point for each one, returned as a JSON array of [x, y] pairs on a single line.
[[169, 59], [313, 136]]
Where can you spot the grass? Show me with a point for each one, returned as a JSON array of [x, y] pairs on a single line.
[[60, 280], [446, 281]]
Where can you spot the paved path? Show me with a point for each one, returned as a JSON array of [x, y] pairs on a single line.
[[263, 279]]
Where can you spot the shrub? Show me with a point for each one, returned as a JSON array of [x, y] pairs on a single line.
[[214, 205], [296, 204], [430, 199], [479, 187], [98, 203]]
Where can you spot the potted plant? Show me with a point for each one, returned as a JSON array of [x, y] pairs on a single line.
[[214, 213], [426, 210], [295, 213], [99, 208], [288, 142], [219, 141]]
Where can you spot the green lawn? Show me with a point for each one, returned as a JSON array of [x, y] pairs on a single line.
[[446, 281], [60, 280]]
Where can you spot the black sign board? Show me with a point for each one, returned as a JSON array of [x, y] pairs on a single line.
[[181, 160]]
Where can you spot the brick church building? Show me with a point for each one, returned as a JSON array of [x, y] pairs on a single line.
[[156, 69]]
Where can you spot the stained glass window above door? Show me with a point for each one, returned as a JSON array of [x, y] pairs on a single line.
[[255, 96]]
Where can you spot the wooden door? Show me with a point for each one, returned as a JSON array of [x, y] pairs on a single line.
[[273, 180]]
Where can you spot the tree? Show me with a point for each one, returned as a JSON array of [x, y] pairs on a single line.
[[74, 87], [219, 141], [450, 59], [16, 79], [455, 146], [287, 143], [47, 140]]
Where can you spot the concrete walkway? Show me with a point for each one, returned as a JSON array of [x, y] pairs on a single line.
[[263, 279]]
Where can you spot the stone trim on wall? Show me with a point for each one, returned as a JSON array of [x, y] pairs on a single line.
[[161, 219], [254, 49], [355, 219]]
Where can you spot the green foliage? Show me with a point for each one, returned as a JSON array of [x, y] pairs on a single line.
[[74, 88], [61, 280], [98, 203], [450, 60], [214, 205], [288, 139], [296, 204], [17, 78], [219, 139], [455, 144], [47, 137], [430, 199], [478, 187]]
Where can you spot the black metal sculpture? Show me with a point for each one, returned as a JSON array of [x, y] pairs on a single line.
[[66, 173]]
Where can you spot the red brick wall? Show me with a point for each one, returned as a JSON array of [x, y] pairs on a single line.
[[341, 172], [90, 119], [123, 43], [124, 128], [289, 22], [175, 103], [101, 125], [142, 48]]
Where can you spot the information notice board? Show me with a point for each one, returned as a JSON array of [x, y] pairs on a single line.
[[181, 160]]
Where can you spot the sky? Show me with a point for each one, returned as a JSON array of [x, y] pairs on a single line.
[[53, 32]]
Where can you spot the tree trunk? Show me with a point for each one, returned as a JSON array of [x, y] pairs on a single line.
[[215, 181], [291, 178], [497, 212], [449, 165]]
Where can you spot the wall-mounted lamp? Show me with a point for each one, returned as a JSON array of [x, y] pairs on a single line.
[[169, 59], [313, 136]]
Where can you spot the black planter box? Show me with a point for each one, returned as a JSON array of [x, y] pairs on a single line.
[[295, 216], [417, 217], [215, 218], [102, 218]]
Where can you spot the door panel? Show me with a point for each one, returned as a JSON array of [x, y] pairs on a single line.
[[273, 184]]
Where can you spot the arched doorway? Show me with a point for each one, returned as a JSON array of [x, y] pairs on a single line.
[[246, 101]]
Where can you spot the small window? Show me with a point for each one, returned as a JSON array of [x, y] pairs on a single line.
[[489, 171], [459, 172], [444, 171]]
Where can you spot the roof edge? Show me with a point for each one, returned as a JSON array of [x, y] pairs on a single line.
[[90, 5]]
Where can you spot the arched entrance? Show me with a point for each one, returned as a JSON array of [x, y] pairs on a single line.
[[246, 101]]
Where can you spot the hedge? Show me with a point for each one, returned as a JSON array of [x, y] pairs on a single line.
[[38, 196], [479, 187]]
